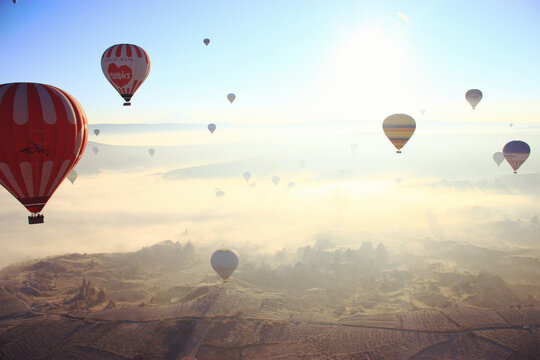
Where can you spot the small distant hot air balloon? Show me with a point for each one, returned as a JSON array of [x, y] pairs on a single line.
[[220, 193], [473, 97], [224, 262], [354, 146], [43, 134], [231, 97], [398, 180], [206, 42], [95, 149], [72, 176], [275, 179], [247, 176], [126, 66], [14, 1], [511, 124], [302, 163], [291, 185], [422, 111], [516, 152], [96, 132], [212, 127], [399, 128], [498, 157], [151, 152]]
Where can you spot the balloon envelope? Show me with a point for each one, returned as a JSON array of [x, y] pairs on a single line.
[[399, 128], [224, 262], [212, 127], [72, 176], [126, 66], [498, 157], [43, 134], [516, 152], [231, 97], [96, 132], [206, 42], [275, 179], [473, 97], [247, 175], [151, 152]]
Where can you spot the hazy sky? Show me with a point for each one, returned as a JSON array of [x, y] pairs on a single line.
[[311, 77]]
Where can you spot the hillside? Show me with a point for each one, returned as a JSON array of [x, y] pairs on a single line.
[[162, 303]]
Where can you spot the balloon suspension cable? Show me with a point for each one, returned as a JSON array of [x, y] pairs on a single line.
[[35, 218]]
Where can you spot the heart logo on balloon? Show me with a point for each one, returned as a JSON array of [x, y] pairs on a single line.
[[120, 75]]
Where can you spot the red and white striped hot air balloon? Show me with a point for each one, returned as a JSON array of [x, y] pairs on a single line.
[[126, 66], [43, 134]]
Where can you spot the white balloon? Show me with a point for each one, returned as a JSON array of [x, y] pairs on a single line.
[[72, 176], [498, 157], [224, 262], [275, 179]]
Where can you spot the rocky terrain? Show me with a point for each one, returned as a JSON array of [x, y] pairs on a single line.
[[164, 302]]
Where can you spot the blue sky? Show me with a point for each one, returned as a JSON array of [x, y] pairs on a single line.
[[272, 54]]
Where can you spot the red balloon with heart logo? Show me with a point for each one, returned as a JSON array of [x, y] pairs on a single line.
[[43, 134], [126, 66]]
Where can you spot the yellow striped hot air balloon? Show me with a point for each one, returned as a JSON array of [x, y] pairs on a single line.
[[399, 128]]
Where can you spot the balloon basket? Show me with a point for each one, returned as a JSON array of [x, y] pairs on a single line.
[[35, 219], [127, 104], [398, 152]]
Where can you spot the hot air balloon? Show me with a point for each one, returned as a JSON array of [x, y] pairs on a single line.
[[291, 184], [212, 127], [14, 1], [126, 66], [473, 97], [275, 179], [231, 97], [302, 163], [72, 176], [224, 262], [399, 128], [220, 193], [398, 180], [43, 134], [498, 157], [354, 146], [247, 176], [206, 42], [96, 132], [422, 111], [151, 152], [516, 152], [95, 149]]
